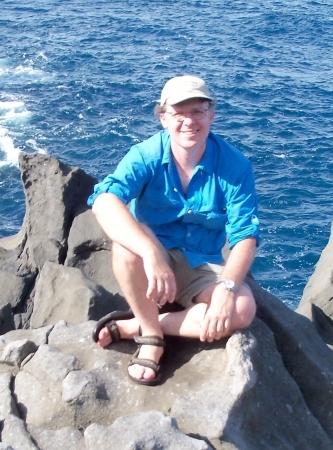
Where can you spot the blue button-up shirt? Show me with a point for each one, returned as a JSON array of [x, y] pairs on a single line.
[[220, 199]]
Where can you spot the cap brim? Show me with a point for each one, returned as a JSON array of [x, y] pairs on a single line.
[[173, 100]]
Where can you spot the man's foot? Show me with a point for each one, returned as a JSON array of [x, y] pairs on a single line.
[[126, 329], [144, 367], [115, 326]]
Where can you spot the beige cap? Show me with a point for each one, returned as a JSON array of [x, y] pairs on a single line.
[[183, 88]]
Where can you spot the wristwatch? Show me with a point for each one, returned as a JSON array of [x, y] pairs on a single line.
[[230, 285]]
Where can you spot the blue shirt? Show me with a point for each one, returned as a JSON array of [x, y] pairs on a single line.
[[220, 199]]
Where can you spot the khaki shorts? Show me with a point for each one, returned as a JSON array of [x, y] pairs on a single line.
[[190, 282]]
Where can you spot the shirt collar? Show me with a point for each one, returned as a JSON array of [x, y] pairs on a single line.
[[207, 161], [166, 158]]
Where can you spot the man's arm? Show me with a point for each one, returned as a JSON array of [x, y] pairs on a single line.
[[240, 260], [121, 227], [218, 318]]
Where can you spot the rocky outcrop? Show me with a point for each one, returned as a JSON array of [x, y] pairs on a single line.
[[267, 387], [317, 300]]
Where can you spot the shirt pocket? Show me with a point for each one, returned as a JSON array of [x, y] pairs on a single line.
[[210, 220]]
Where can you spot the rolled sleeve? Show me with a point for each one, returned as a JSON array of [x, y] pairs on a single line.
[[126, 182], [242, 210]]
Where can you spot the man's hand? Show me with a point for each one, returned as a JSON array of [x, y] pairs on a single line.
[[217, 321], [161, 280]]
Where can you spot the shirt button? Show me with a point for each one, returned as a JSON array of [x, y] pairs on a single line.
[[175, 189], [188, 234], [189, 211]]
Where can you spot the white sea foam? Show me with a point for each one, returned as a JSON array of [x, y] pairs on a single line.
[[24, 73], [13, 116], [5, 106], [13, 112], [8, 148], [33, 144]]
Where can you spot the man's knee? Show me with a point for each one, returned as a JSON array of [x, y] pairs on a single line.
[[123, 256], [247, 308]]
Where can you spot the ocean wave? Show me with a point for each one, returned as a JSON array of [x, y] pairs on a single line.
[[8, 152]]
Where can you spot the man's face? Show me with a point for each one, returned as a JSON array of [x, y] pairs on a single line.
[[188, 122]]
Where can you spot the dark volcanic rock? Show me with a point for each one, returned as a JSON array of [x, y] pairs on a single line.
[[266, 387]]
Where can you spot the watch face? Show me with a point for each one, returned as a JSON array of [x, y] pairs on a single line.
[[230, 285]]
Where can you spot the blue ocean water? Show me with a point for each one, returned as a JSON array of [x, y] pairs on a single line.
[[79, 80]]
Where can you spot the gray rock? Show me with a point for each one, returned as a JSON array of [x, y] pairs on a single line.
[[267, 387], [89, 249], [96, 265], [15, 352], [251, 372], [80, 385], [38, 387], [38, 336], [14, 434], [86, 234], [6, 319], [65, 439], [222, 393], [65, 293], [53, 192], [304, 354], [144, 431], [7, 403], [38, 402], [50, 365], [319, 288], [16, 288], [4, 446], [12, 244]]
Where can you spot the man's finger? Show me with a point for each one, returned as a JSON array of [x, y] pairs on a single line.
[[203, 331], [151, 289]]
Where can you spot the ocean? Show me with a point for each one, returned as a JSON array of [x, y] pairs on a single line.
[[79, 81]]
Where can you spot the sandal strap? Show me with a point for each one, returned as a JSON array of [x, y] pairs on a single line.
[[114, 330], [109, 321], [150, 340], [145, 363]]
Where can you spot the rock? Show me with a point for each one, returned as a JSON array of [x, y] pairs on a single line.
[[266, 387], [4, 446], [221, 392], [65, 293], [304, 354], [319, 288], [6, 318], [65, 439], [89, 249], [7, 403], [323, 324], [17, 288], [136, 431], [15, 434], [86, 234], [15, 352], [53, 193], [38, 337]]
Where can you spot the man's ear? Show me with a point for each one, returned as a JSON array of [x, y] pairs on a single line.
[[212, 116], [163, 121]]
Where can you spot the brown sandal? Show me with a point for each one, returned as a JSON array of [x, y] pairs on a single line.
[[147, 340], [109, 321]]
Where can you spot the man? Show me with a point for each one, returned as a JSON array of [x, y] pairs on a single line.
[[168, 208]]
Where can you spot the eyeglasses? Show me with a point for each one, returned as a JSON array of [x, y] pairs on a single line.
[[196, 114]]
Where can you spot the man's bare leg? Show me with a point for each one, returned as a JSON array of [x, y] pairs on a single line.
[[187, 323], [129, 272]]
